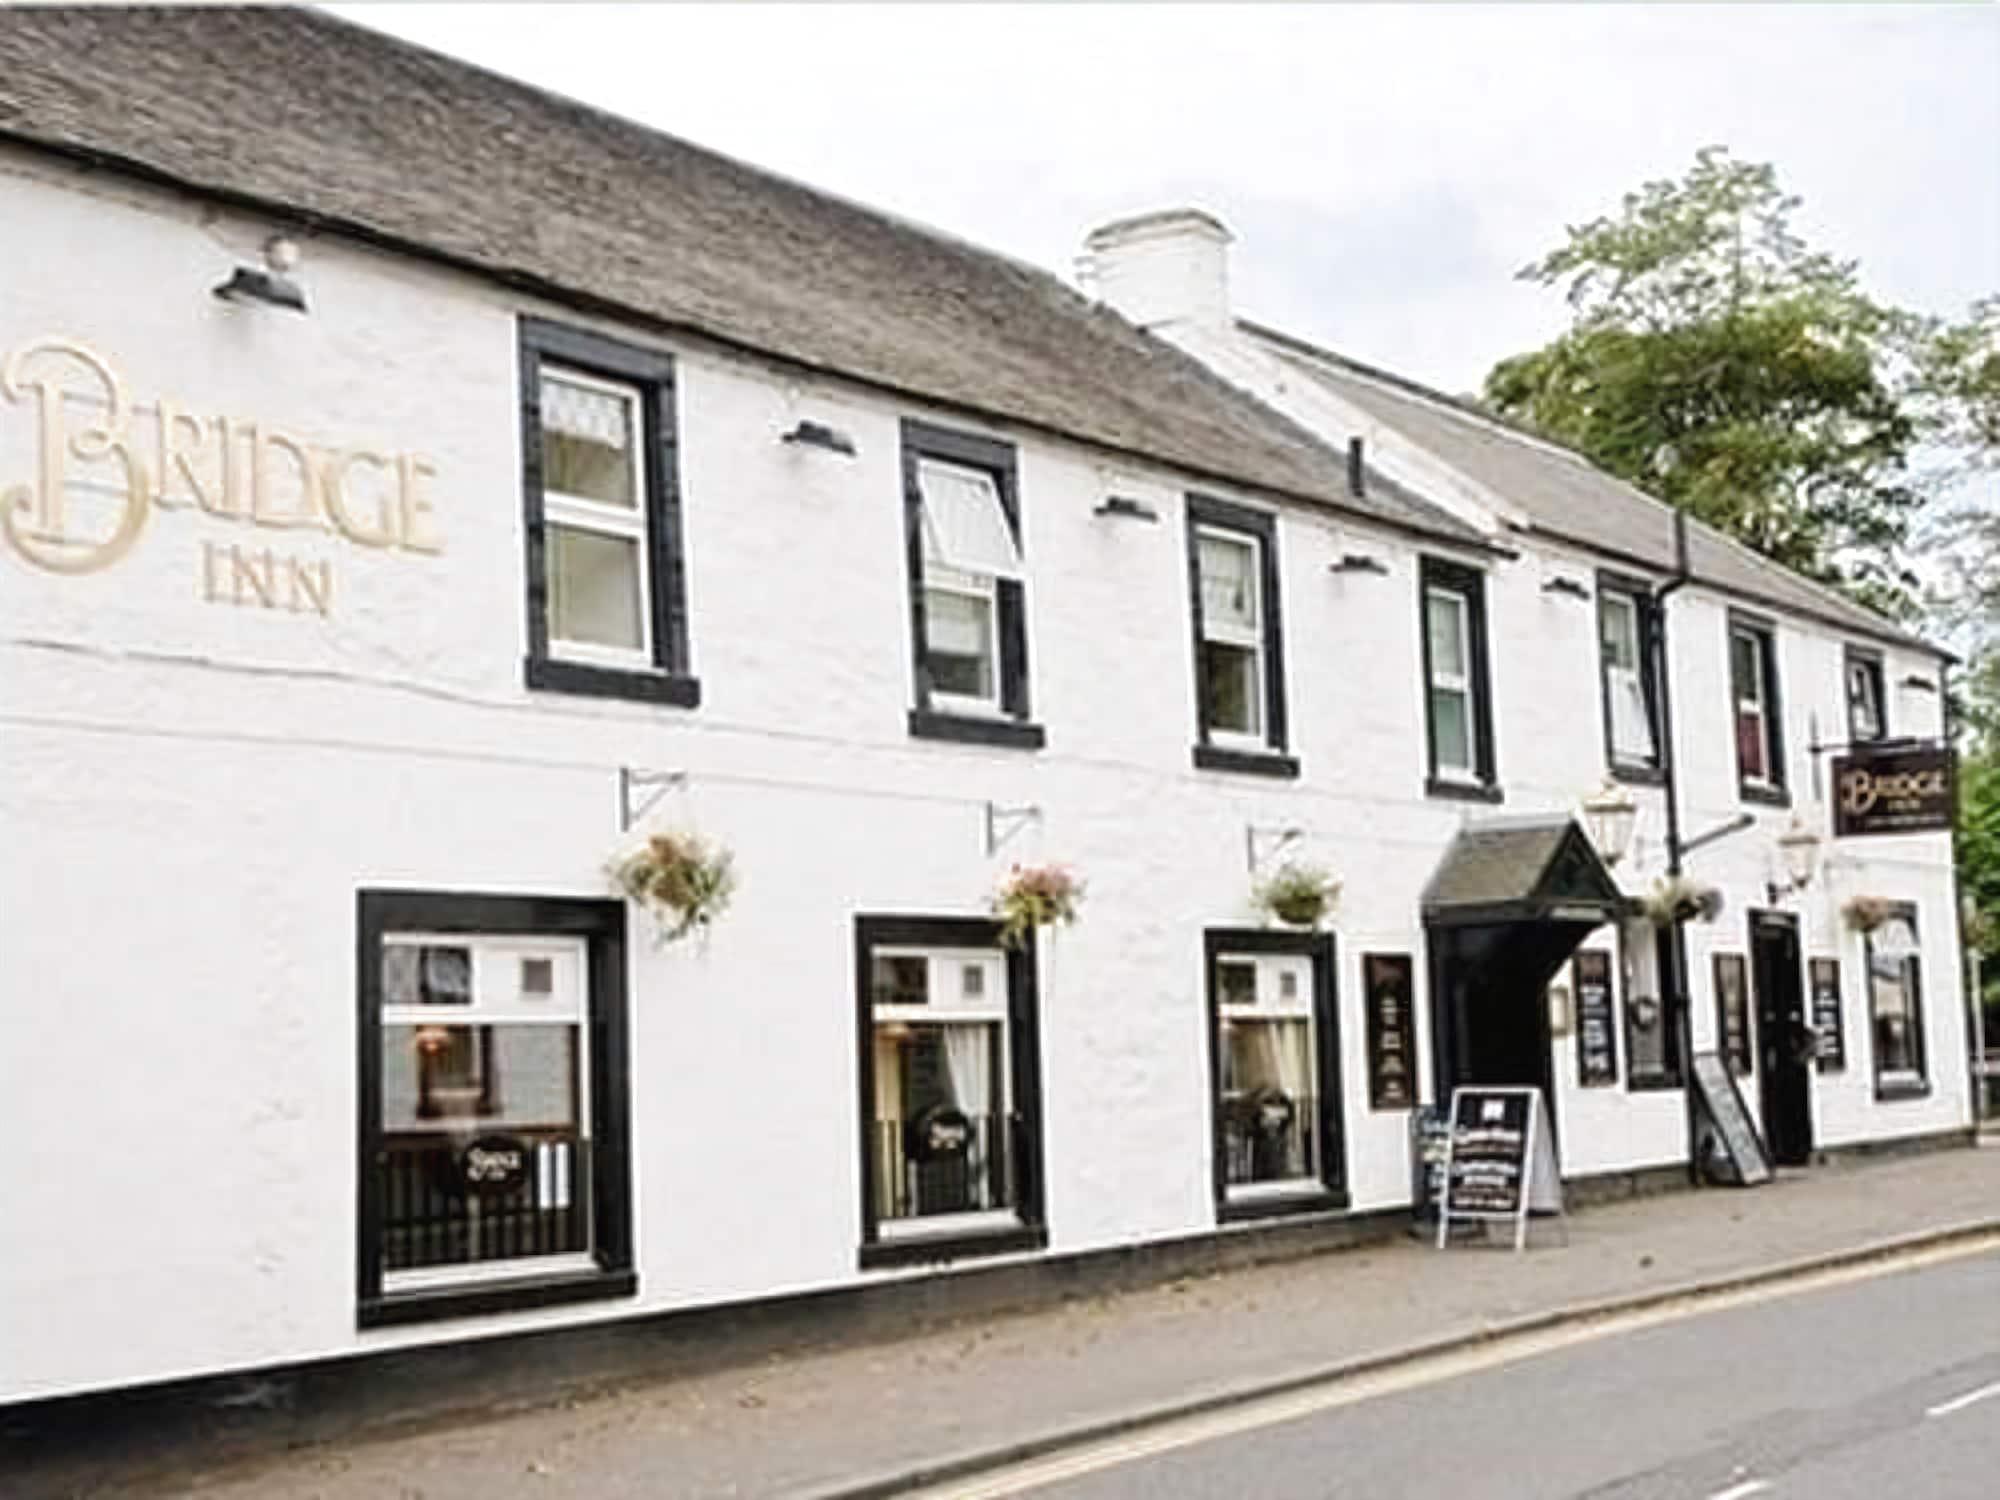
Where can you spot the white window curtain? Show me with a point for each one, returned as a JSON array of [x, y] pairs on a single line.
[[957, 624], [964, 524], [968, 1059], [1228, 584], [1631, 725], [580, 412]]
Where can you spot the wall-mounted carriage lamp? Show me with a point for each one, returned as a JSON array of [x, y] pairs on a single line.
[[1358, 562], [1916, 684], [1609, 816], [273, 285], [1798, 849], [819, 435], [1568, 588], [1127, 507]]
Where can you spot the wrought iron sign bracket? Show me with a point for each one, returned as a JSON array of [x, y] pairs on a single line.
[[654, 784], [1721, 831], [1002, 823], [1261, 844]]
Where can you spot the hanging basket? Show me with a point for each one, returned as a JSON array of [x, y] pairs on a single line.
[[1297, 895], [684, 882], [1035, 896], [1677, 899], [1866, 913]]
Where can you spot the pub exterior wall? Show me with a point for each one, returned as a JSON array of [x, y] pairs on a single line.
[[196, 791]]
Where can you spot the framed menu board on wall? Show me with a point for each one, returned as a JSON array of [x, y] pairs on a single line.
[[1826, 1017], [1596, 1029], [1392, 1035], [1732, 1012]]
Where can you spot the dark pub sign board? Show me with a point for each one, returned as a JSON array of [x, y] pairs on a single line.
[[1732, 1012], [1596, 1028], [1892, 791], [1826, 1016], [1729, 1126], [1500, 1160], [1392, 1038]]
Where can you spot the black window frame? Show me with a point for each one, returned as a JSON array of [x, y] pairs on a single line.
[[1320, 947], [878, 930], [1017, 729], [1900, 1088], [1646, 610], [1261, 527], [651, 372], [601, 924], [1870, 661], [1673, 1075], [1776, 791], [1469, 582]]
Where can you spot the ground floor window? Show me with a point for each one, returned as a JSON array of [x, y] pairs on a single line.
[[1895, 1005], [1652, 1022], [951, 1134], [1275, 1071], [492, 1122]]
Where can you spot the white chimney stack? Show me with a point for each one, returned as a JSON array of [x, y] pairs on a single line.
[[1162, 269]]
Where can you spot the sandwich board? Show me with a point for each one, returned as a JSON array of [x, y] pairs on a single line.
[[1500, 1160]]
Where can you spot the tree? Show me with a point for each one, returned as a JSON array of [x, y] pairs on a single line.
[[1718, 362]]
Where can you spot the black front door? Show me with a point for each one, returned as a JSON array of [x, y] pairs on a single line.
[[1784, 1038]]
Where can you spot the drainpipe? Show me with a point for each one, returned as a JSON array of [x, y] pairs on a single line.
[[1670, 787]]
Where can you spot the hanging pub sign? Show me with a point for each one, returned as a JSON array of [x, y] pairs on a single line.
[[1732, 1012], [1596, 1032], [1826, 1017], [1893, 791], [1392, 1076]]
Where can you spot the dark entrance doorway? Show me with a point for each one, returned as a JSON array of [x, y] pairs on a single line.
[[1505, 910], [1784, 1037]]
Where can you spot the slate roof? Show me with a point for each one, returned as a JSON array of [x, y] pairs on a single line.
[[1512, 861], [343, 127], [1565, 496]]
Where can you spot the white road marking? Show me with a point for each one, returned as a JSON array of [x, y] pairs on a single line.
[[1738, 1491], [1266, 1411], [1959, 1403]]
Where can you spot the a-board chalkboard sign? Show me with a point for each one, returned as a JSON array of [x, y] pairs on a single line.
[[1392, 1036], [1430, 1143], [1730, 1132], [1499, 1160], [1732, 1012], [1596, 1029], [1826, 1017]]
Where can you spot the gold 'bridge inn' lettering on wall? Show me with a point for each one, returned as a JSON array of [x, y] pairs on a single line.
[[228, 469]]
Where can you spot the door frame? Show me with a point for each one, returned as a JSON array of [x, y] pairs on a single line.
[[1776, 1062]]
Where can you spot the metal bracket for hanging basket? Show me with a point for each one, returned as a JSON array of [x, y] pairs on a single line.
[[1262, 844], [655, 784], [1002, 823]]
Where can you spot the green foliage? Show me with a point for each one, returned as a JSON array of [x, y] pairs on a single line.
[[1718, 362], [1979, 860]]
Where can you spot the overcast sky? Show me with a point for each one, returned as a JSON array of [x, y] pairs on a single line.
[[1386, 169]]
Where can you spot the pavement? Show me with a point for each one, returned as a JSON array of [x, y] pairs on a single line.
[[882, 1419]]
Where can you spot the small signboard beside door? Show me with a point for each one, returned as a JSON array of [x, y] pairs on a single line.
[[1500, 1160], [1729, 1121]]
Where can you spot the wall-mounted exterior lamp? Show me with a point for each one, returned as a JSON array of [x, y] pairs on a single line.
[[1916, 684], [819, 435], [273, 285], [1358, 562], [1798, 848], [1568, 588], [1609, 817], [1126, 507]]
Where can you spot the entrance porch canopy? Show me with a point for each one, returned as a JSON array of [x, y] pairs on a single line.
[[1532, 869]]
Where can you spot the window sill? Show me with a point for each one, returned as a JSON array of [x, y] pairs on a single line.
[[478, 1300], [917, 1250], [547, 674], [1638, 775], [1273, 763], [1890, 1093], [1314, 1200], [964, 729], [1769, 796], [1464, 791]]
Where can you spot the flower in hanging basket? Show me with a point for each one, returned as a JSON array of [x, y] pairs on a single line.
[[680, 879], [1675, 898], [1866, 913], [1298, 894], [1035, 896]]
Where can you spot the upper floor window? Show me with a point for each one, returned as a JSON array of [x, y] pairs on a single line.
[[1625, 630], [968, 596], [1238, 645], [1457, 700], [1753, 685], [606, 601], [1867, 710]]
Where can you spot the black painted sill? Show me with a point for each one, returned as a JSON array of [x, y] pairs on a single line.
[[1769, 796], [1889, 1093], [1638, 775], [1247, 762], [1464, 791], [966, 729], [916, 1250], [482, 1298], [546, 674], [1317, 1200]]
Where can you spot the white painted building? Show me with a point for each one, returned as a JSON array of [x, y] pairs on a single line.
[[604, 480]]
